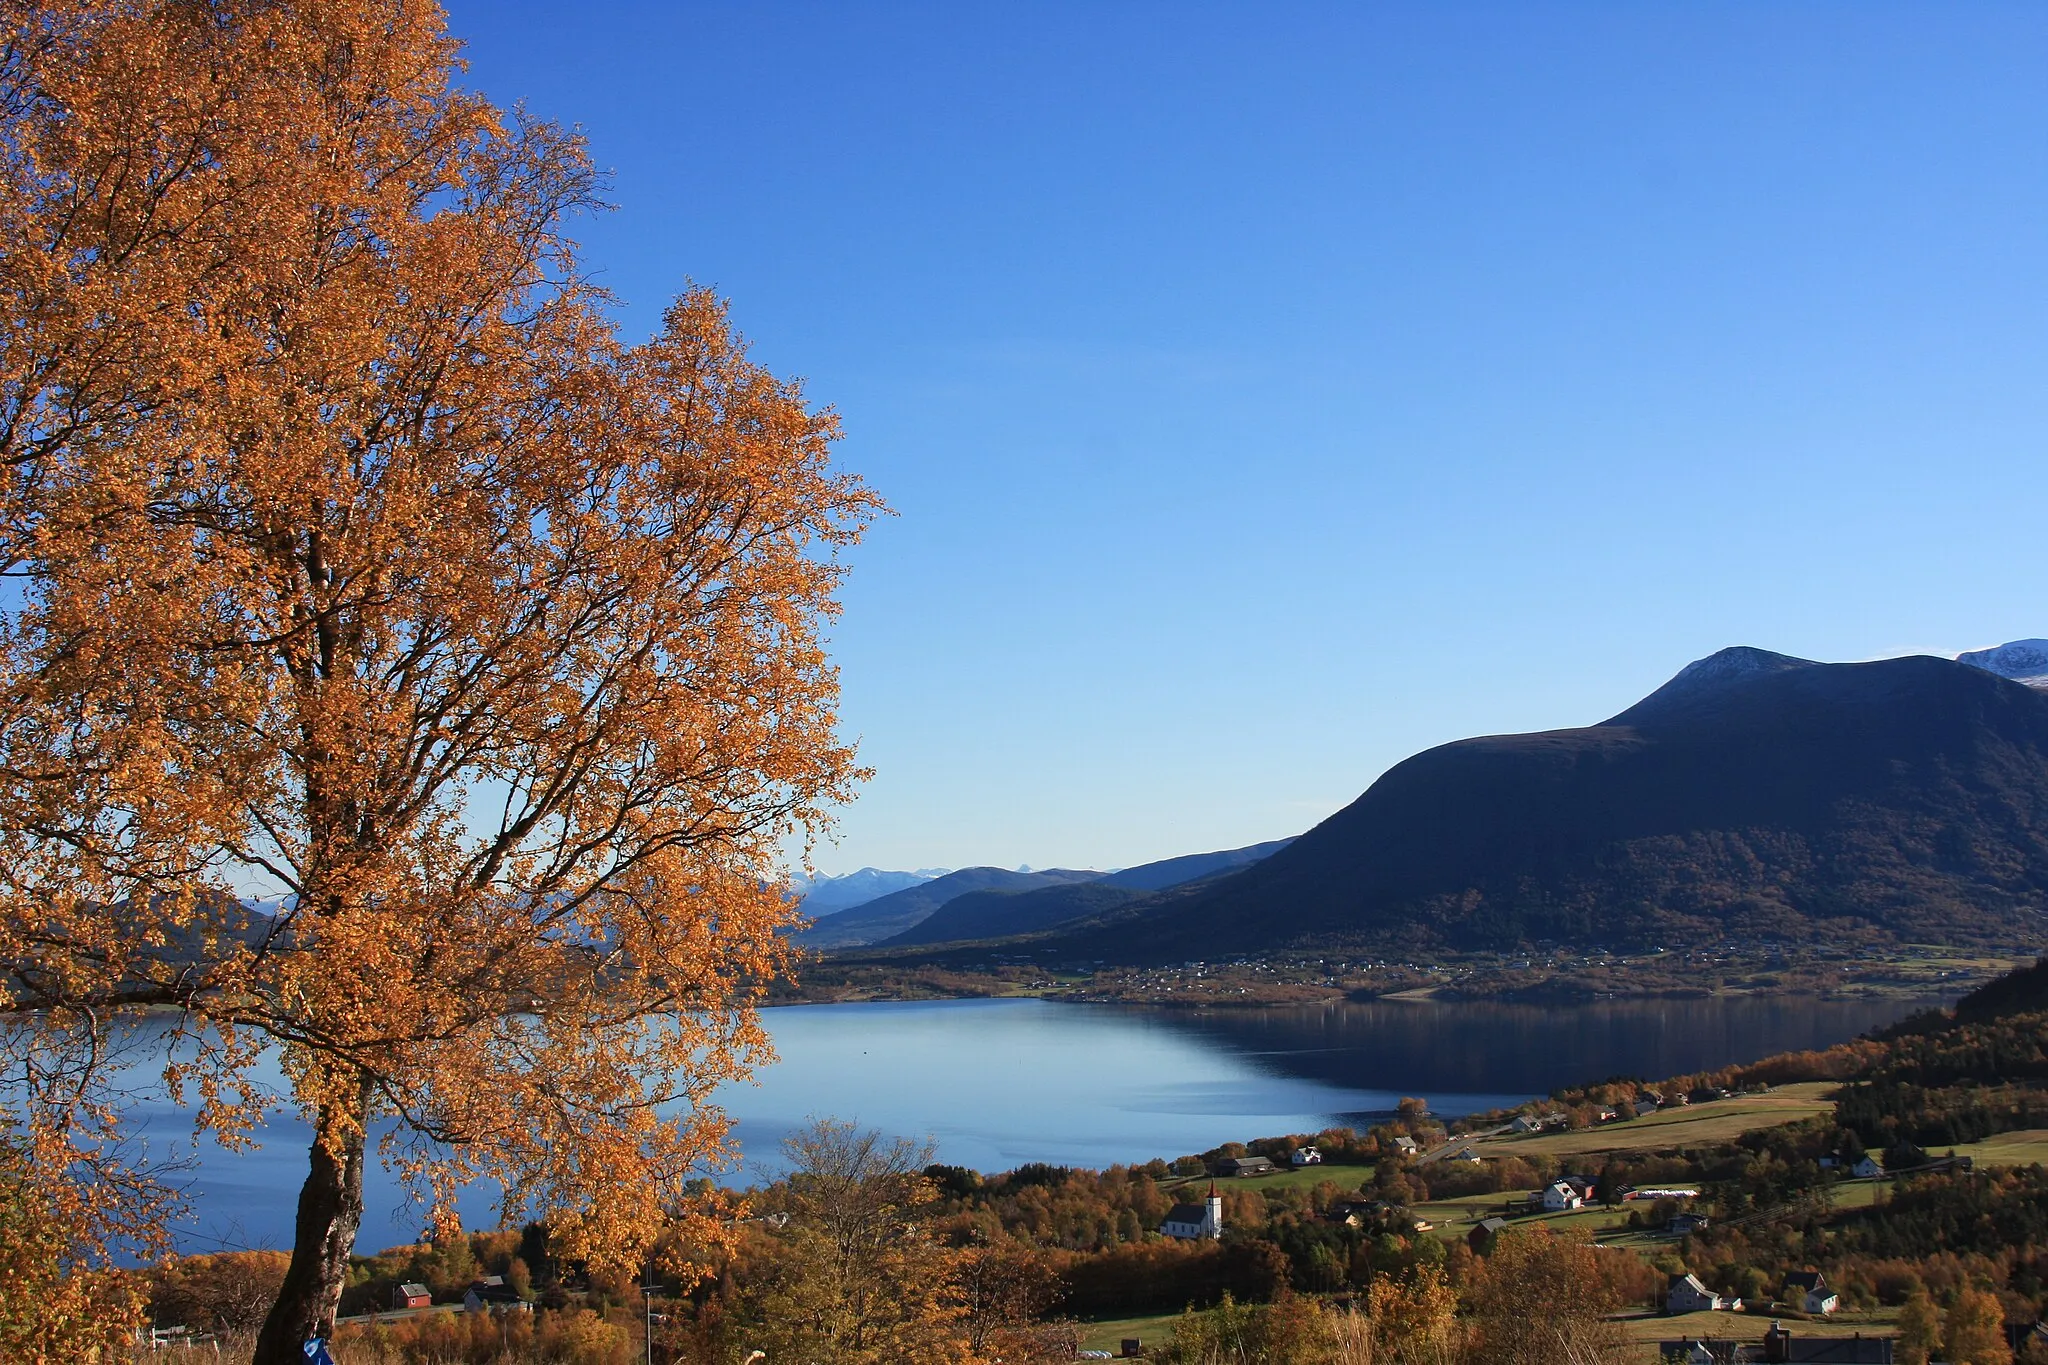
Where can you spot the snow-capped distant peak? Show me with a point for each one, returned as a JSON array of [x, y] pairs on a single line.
[[2023, 661]]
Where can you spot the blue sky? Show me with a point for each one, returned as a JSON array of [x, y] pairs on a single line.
[[1267, 392]]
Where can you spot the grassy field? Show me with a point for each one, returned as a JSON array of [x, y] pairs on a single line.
[[1642, 1326], [1106, 1334], [1647, 1328], [1307, 1177], [1455, 1218], [1860, 1194], [2023, 1147], [1682, 1126]]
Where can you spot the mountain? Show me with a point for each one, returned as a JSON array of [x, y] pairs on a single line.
[[1192, 866], [889, 915], [1754, 795], [830, 895], [2023, 661], [999, 913]]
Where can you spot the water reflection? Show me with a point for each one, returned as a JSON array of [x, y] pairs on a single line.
[[1447, 1049], [997, 1083]]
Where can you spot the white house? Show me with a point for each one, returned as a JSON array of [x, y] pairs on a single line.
[[1407, 1146], [1809, 1289], [1522, 1124], [1306, 1156], [1466, 1154], [1685, 1294], [492, 1295], [1561, 1198], [1867, 1169], [1196, 1222]]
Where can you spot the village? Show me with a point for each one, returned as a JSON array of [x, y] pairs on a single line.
[[1800, 1316]]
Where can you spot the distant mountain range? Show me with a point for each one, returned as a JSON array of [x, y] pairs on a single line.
[[889, 915], [2023, 661], [829, 895], [999, 913], [1754, 795], [990, 902]]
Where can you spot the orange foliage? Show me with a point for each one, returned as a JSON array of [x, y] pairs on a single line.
[[360, 554], [54, 1310]]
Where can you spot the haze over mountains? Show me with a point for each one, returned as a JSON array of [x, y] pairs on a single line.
[[888, 915], [998, 913], [1755, 796], [829, 895]]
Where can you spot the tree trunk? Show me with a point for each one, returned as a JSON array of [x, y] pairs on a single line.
[[330, 1210]]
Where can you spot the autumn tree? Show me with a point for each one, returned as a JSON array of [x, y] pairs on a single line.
[[1414, 1321], [55, 1309], [229, 1292], [1973, 1333], [1919, 1330], [858, 1275], [1541, 1297], [355, 554], [1002, 1289]]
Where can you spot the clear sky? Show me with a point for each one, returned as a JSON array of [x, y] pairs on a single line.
[[1267, 392]]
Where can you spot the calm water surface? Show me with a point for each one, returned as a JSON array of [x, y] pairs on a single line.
[[997, 1083]]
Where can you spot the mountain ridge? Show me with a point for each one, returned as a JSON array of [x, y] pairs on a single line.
[[1754, 794], [821, 896], [991, 914], [886, 916]]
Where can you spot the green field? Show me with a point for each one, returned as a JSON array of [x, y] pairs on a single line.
[[1455, 1218], [1648, 1328], [2022, 1147], [1307, 1177], [1107, 1333], [1681, 1126]]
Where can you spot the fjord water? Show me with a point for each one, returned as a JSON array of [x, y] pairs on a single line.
[[997, 1083]]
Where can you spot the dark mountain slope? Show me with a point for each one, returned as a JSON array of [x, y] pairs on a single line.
[[899, 910], [999, 914], [1753, 795], [996, 914], [1192, 866]]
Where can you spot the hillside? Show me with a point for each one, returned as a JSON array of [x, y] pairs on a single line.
[[1754, 795], [997, 913], [1192, 867], [889, 915]]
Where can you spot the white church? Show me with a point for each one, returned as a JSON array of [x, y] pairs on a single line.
[[1196, 1222]]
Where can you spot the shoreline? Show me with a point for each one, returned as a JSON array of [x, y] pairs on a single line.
[[1907, 973]]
